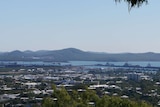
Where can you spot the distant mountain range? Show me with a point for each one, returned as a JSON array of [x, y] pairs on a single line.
[[72, 54]]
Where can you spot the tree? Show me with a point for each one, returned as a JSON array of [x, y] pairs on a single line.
[[87, 98], [63, 98], [48, 102], [103, 102], [133, 3]]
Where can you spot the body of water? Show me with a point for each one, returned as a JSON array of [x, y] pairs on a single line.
[[84, 63], [140, 63]]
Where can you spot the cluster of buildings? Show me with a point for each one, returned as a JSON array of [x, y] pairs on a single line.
[[30, 85], [138, 76]]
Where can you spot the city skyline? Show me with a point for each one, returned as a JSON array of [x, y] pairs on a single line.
[[99, 26]]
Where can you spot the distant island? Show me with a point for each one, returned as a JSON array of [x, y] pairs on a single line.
[[73, 54]]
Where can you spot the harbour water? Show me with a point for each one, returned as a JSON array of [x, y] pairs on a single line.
[[84, 63]]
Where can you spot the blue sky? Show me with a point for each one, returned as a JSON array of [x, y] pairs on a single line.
[[90, 25]]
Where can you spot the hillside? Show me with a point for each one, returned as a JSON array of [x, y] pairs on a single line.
[[72, 54]]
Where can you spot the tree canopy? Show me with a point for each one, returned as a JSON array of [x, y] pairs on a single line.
[[87, 98], [134, 3]]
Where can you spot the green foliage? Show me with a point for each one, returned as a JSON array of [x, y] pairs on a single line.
[[87, 98], [63, 98], [103, 102], [48, 102]]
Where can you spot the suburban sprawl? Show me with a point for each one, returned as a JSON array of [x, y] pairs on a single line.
[[34, 85]]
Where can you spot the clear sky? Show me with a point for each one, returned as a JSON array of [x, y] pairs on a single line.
[[90, 25]]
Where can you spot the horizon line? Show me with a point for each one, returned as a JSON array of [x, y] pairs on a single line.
[[80, 50]]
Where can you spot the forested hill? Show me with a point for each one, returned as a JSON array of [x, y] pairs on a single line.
[[72, 54]]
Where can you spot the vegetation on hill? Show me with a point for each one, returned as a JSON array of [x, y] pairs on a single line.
[[72, 54]]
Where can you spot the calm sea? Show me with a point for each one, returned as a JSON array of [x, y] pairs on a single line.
[[85, 63], [140, 63]]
